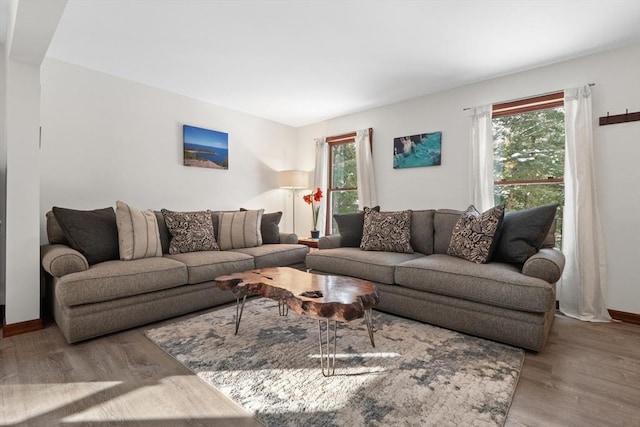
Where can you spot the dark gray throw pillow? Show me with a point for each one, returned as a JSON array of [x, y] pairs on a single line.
[[92, 233], [350, 227], [270, 227], [523, 233]]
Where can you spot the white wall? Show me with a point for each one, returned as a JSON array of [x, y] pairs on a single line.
[[22, 238], [105, 138], [616, 74], [3, 173]]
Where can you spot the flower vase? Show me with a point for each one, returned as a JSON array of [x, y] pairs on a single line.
[[315, 234]]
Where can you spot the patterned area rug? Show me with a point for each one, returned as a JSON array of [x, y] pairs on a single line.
[[417, 374]]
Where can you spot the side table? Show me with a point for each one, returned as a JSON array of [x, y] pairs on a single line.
[[308, 241]]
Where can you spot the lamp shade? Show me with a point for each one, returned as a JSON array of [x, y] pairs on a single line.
[[293, 179]]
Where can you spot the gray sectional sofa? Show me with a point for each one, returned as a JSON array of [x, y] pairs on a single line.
[[92, 300], [508, 302]]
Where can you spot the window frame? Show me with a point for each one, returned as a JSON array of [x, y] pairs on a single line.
[[334, 141]]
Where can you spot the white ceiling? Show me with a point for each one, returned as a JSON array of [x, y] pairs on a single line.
[[301, 62]]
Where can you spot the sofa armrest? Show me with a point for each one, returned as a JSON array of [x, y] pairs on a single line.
[[330, 242], [288, 238], [547, 264], [60, 260]]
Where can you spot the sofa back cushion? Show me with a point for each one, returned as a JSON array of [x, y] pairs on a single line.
[[165, 234], [92, 233], [443, 222], [422, 231], [55, 235]]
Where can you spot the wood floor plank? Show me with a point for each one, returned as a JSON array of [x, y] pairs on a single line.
[[588, 375]]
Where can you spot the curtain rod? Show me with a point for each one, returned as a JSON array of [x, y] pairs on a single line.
[[518, 99]]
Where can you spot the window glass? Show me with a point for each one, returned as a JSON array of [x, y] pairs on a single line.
[[529, 160]]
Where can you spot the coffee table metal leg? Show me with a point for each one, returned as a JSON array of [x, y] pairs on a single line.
[[368, 317], [330, 356], [283, 308], [239, 312]]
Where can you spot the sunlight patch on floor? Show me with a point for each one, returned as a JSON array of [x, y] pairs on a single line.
[[142, 403], [45, 398]]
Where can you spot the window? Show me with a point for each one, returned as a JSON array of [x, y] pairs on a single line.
[[342, 191], [528, 143]]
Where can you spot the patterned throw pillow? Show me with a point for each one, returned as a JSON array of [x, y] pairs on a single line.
[[239, 229], [138, 234], [190, 231], [350, 227], [386, 231], [475, 235]]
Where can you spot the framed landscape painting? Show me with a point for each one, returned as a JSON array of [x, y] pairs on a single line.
[[417, 150], [205, 148]]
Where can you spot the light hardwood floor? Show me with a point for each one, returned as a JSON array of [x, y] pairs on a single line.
[[588, 375]]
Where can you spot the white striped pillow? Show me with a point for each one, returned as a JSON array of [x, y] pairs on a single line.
[[239, 229], [138, 235]]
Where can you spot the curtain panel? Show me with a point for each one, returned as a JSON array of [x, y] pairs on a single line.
[[482, 158], [320, 179], [364, 171], [582, 287]]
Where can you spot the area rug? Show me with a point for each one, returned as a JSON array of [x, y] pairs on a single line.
[[417, 374]]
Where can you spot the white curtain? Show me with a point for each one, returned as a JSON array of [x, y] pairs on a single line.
[[582, 287], [364, 166], [482, 158], [320, 179]]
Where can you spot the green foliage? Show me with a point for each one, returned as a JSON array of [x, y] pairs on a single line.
[[530, 146], [343, 161]]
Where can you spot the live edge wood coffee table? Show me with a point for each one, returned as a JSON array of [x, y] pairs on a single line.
[[330, 298]]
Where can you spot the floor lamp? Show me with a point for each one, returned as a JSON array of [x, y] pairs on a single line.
[[293, 180]]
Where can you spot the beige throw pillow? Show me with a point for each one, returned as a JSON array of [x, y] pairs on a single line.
[[138, 235], [239, 229]]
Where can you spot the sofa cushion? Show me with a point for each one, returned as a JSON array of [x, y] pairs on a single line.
[[386, 231], [206, 266], [496, 284], [523, 233], [350, 227], [190, 231], [165, 234], [275, 255], [443, 222], [269, 228], [111, 280], [138, 234], [422, 231], [93, 233], [55, 235], [239, 229], [368, 265], [475, 235]]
